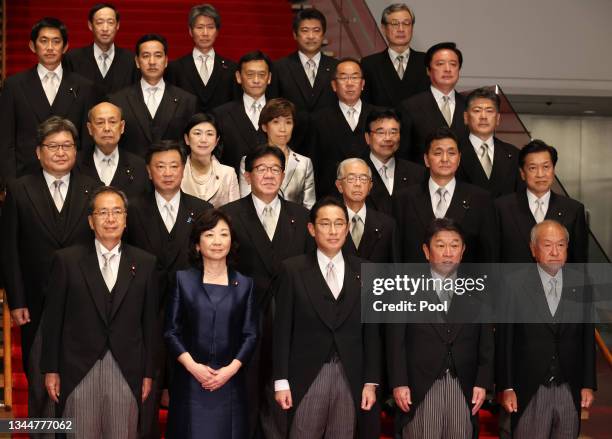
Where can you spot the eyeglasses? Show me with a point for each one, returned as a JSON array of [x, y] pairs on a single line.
[[347, 78], [55, 147], [105, 213], [352, 178], [391, 133], [395, 24], [327, 225], [262, 169]]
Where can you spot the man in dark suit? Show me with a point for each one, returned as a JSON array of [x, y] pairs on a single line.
[[517, 213], [304, 77], [153, 110], [390, 173], [239, 119], [109, 67], [486, 161], [545, 361], [444, 196], [372, 234], [326, 362], [439, 106], [337, 132], [204, 73], [99, 326], [120, 169], [269, 230], [43, 212], [441, 369], [161, 223], [397, 72], [31, 97]]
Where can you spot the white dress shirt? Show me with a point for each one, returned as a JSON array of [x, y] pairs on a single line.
[[98, 52], [175, 202], [304, 59], [114, 262], [210, 61], [50, 179], [42, 72], [161, 87], [440, 279], [98, 155], [477, 143], [433, 188], [362, 214], [260, 206], [390, 171], [393, 55], [248, 108], [439, 97], [345, 109], [531, 199]]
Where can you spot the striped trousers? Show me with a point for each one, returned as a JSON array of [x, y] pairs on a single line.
[[327, 411], [102, 404], [551, 414], [39, 403], [443, 414]]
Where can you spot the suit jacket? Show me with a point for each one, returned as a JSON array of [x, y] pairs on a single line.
[[24, 106], [175, 109], [221, 86], [332, 141], [147, 231], [131, 174], [515, 220], [82, 320], [505, 177], [379, 242], [470, 206], [406, 174], [525, 351], [420, 116], [238, 136], [218, 189], [382, 85], [310, 325], [259, 257], [31, 231], [121, 73]]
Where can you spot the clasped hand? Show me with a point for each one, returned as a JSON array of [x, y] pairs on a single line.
[[212, 379]]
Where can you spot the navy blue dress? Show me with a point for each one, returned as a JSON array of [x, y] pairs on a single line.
[[215, 324]]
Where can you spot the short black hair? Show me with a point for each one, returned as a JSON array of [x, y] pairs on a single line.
[[207, 220], [197, 119], [52, 22], [327, 201], [256, 55], [54, 125], [151, 37], [262, 151], [105, 190], [385, 113], [537, 145], [442, 46], [163, 146], [483, 93], [439, 134], [308, 14], [346, 59], [443, 225], [95, 8]]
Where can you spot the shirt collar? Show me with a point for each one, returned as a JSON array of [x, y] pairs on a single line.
[[545, 277], [197, 52], [477, 141], [98, 51], [174, 201], [42, 71], [344, 107], [393, 54], [99, 155], [438, 95], [161, 86], [378, 164], [450, 186], [49, 179], [337, 260], [260, 205], [248, 101], [304, 59], [101, 250], [532, 198], [436, 275], [361, 213]]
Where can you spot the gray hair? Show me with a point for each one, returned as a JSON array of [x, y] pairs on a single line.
[[345, 162], [204, 10], [106, 190], [533, 236], [396, 7], [54, 125]]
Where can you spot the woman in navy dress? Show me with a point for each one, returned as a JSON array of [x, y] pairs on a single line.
[[211, 330]]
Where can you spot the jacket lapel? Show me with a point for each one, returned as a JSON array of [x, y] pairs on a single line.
[[460, 203], [299, 76], [322, 78], [182, 227], [473, 168], [40, 202], [523, 216], [388, 74], [150, 223], [243, 124], [292, 164], [351, 291], [90, 266], [32, 88], [167, 108], [318, 291], [127, 271], [140, 111], [66, 94], [423, 207], [554, 211], [370, 237], [124, 172], [78, 197], [257, 233]]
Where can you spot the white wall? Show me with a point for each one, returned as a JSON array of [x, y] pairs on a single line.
[[557, 47]]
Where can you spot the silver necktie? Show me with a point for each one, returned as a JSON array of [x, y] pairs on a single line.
[[104, 59], [552, 297], [350, 114], [267, 221], [204, 73], [107, 271], [255, 110], [106, 170], [446, 110], [58, 198], [169, 217], [357, 230], [332, 280], [445, 296], [151, 102], [485, 160], [442, 203], [50, 86], [311, 71], [400, 66], [539, 212]]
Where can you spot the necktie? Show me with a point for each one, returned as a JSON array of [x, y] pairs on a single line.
[[445, 296], [255, 110], [169, 217], [442, 203], [385, 178], [267, 221], [357, 230], [446, 110], [552, 297], [485, 160], [104, 67], [151, 102], [204, 74], [50, 86], [539, 212], [350, 118], [106, 170], [58, 198], [332, 280], [107, 271], [400, 66], [311, 71]]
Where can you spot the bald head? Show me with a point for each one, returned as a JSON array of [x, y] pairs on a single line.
[[549, 243], [106, 126]]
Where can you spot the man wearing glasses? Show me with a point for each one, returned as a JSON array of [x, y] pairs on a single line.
[[390, 173], [43, 212], [397, 72], [270, 230]]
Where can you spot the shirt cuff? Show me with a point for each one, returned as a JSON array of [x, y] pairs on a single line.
[[509, 390], [281, 385], [371, 384]]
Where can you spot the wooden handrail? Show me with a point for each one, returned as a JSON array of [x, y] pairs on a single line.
[[604, 349], [8, 361]]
